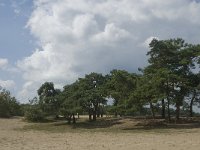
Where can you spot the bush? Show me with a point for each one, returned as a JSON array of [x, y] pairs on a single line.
[[4, 110], [8, 105], [34, 114]]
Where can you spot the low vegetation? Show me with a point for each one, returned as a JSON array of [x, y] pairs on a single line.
[[8, 105], [117, 125]]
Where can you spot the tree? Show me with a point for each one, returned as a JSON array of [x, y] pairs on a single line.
[[147, 91], [120, 84], [48, 98], [33, 111], [177, 58], [8, 105], [93, 95], [193, 91], [70, 101]]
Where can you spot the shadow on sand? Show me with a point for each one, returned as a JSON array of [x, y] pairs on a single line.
[[99, 123], [130, 123], [156, 124]]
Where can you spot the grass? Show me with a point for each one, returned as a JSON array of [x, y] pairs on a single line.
[[82, 125], [113, 125]]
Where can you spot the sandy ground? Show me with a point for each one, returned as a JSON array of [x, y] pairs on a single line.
[[11, 138]]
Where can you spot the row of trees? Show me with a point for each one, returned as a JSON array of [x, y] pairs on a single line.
[[170, 78], [170, 82], [169, 85]]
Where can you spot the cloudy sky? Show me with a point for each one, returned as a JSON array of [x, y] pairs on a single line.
[[61, 40]]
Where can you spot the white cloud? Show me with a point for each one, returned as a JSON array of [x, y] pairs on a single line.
[[84, 25], [112, 33], [80, 36], [7, 84], [5, 66], [28, 91], [3, 63]]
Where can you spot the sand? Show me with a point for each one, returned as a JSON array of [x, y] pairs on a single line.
[[13, 138]]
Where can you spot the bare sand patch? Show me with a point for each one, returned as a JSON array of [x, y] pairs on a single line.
[[13, 137]]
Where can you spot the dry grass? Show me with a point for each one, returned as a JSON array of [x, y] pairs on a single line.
[[105, 134]]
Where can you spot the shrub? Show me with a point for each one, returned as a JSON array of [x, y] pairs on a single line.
[[8, 105], [4, 109], [34, 114]]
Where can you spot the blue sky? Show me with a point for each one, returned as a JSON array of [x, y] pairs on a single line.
[[15, 39], [61, 40]]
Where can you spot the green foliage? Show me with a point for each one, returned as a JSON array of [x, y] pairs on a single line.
[[34, 114], [92, 93], [168, 80], [33, 111], [8, 105], [120, 85], [70, 100], [48, 98], [175, 59]]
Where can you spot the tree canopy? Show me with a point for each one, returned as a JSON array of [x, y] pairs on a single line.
[[167, 85]]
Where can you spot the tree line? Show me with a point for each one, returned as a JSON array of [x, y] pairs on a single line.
[[168, 86]]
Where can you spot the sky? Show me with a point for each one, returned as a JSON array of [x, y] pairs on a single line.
[[61, 40]]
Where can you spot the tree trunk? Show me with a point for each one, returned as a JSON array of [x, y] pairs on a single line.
[[90, 115], [191, 104], [191, 107], [152, 110], [168, 110], [98, 111], [168, 102], [163, 108], [56, 117], [69, 119], [95, 111], [177, 110], [94, 115], [78, 115], [116, 113], [102, 111], [74, 119]]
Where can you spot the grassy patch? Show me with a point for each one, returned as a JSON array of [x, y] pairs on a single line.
[[82, 125], [114, 125]]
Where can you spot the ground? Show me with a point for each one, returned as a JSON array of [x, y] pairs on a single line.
[[118, 134]]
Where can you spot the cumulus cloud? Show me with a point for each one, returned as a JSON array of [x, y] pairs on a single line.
[[80, 36], [28, 91], [7, 84], [112, 34]]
